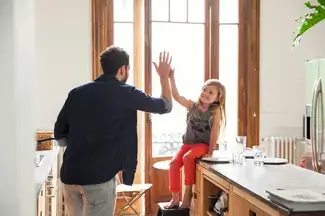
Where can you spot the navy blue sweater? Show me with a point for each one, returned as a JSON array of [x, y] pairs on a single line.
[[99, 122]]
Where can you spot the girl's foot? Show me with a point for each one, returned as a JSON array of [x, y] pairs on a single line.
[[174, 202], [187, 199], [186, 202]]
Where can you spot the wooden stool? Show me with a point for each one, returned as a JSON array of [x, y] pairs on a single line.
[[172, 212]]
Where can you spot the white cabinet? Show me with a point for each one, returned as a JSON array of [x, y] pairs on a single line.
[[40, 204], [47, 198], [52, 190]]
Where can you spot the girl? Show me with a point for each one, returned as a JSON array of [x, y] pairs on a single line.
[[204, 119]]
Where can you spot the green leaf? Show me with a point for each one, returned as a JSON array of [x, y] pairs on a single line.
[[321, 2], [308, 5], [318, 8], [310, 19]]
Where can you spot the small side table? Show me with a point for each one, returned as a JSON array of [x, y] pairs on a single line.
[[162, 165]]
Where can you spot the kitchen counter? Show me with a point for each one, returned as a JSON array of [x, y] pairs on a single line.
[[42, 172], [253, 180]]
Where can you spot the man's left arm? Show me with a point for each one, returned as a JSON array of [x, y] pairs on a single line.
[[61, 127], [129, 175]]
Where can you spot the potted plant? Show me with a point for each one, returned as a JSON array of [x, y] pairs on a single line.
[[315, 15]]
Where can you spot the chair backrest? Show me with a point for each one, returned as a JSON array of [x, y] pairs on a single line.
[[118, 178]]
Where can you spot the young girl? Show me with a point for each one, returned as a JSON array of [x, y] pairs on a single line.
[[204, 119]]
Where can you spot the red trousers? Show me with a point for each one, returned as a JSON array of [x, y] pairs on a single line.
[[185, 156]]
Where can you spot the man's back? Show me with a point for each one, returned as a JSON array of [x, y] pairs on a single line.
[[99, 120]]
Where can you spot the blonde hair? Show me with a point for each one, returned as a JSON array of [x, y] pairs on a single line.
[[219, 105]]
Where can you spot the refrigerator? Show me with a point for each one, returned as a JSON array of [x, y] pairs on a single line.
[[315, 121]]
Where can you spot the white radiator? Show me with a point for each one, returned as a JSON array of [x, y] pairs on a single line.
[[285, 147]]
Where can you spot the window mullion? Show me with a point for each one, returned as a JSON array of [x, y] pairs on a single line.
[[214, 73]]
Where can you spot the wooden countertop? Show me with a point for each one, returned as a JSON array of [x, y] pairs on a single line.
[[44, 169], [255, 179]]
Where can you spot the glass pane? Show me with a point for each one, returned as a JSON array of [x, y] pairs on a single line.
[[228, 11], [123, 37], [159, 10], [228, 74], [178, 10], [196, 11], [123, 10], [167, 129]]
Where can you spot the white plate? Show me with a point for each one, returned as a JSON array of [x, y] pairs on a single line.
[[298, 195], [271, 160], [249, 154], [217, 159]]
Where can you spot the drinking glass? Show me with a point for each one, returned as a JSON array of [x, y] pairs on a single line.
[[238, 158], [239, 149], [223, 145], [259, 154], [241, 140]]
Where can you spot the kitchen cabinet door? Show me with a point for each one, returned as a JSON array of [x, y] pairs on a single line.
[[52, 184], [40, 206]]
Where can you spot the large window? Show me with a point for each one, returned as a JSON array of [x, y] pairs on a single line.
[[207, 38], [167, 130], [179, 30], [179, 27]]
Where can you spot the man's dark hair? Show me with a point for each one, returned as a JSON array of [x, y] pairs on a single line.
[[112, 59]]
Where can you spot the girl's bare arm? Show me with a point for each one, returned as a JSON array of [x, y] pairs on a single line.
[[177, 97], [215, 131]]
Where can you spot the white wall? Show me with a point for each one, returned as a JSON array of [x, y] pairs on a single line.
[[63, 49], [282, 72], [45, 50], [17, 76]]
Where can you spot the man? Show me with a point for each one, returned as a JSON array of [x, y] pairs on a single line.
[[98, 123]]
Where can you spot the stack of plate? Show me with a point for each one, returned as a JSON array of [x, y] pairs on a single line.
[[298, 199]]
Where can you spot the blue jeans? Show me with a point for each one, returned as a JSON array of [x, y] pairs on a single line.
[[90, 200]]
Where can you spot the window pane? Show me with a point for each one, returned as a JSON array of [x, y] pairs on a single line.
[[228, 11], [167, 129], [196, 11], [159, 10], [178, 10], [228, 74], [123, 37], [123, 10]]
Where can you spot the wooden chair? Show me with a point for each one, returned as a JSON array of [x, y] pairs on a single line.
[[130, 194]]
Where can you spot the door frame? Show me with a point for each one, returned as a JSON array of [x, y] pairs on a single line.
[[248, 74]]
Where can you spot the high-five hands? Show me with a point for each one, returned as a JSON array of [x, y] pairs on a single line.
[[163, 68], [172, 72]]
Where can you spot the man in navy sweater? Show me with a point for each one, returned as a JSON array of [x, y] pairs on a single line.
[[98, 124]]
